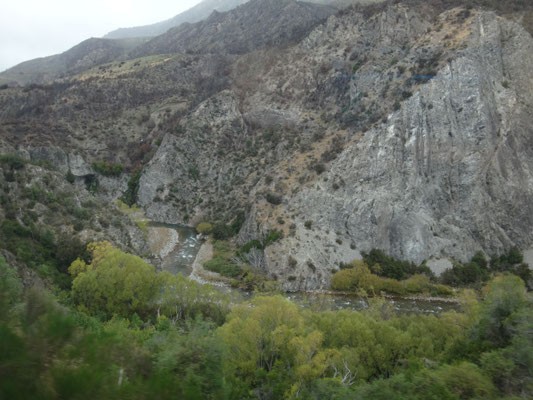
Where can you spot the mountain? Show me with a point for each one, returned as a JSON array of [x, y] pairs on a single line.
[[403, 126], [197, 13], [256, 24], [202, 11], [233, 32], [87, 54]]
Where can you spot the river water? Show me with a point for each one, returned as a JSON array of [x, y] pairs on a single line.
[[176, 245], [179, 246]]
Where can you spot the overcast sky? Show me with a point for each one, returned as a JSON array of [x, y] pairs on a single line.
[[38, 28]]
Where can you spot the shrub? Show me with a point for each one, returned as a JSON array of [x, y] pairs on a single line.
[[390, 267], [417, 284], [308, 224], [222, 231], [292, 262], [272, 237], [204, 228], [319, 168], [91, 183], [273, 198], [130, 195], [13, 161], [107, 168], [70, 177], [223, 267], [237, 222], [359, 276], [254, 244], [194, 173]]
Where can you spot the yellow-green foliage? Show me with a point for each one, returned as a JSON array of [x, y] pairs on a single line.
[[359, 277], [135, 214], [267, 348], [204, 227], [222, 261], [114, 281], [117, 283], [127, 209], [270, 333], [143, 226]]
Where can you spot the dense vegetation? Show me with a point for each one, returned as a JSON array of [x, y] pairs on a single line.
[[379, 272], [360, 278], [46, 221], [389, 267], [478, 270], [124, 331], [107, 168]]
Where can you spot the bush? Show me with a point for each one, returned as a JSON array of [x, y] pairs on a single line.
[[253, 244], [70, 177], [107, 168], [13, 161], [319, 168], [359, 277], [204, 228], [465, 274], [308, 224], [389, 267], [130, 195], [223, 267], [478, 270], [292, 262], [238, 222], [273, 198], [194, 173], [272, 237], [222, 231]]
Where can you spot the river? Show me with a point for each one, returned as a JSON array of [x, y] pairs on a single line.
[[178, 247]]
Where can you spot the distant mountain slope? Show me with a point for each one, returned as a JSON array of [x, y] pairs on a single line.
[[87, 54], [201, 12], [256, 24], [194, 14]]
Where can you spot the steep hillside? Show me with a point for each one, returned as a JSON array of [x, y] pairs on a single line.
[[256, 24], [47, 218], [85, 55], [447, 174], [202, 11], [195, 14]]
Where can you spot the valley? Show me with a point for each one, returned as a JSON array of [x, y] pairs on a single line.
[[273, 199]]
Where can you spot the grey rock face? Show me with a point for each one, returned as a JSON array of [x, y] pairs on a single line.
[[194, 163], [78, 166], [58, 158], [448, 174]]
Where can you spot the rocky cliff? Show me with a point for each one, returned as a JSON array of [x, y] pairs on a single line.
[[447, 174], [403, 126]]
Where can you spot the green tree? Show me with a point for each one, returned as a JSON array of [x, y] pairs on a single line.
[[114, 282], [504, 298]]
